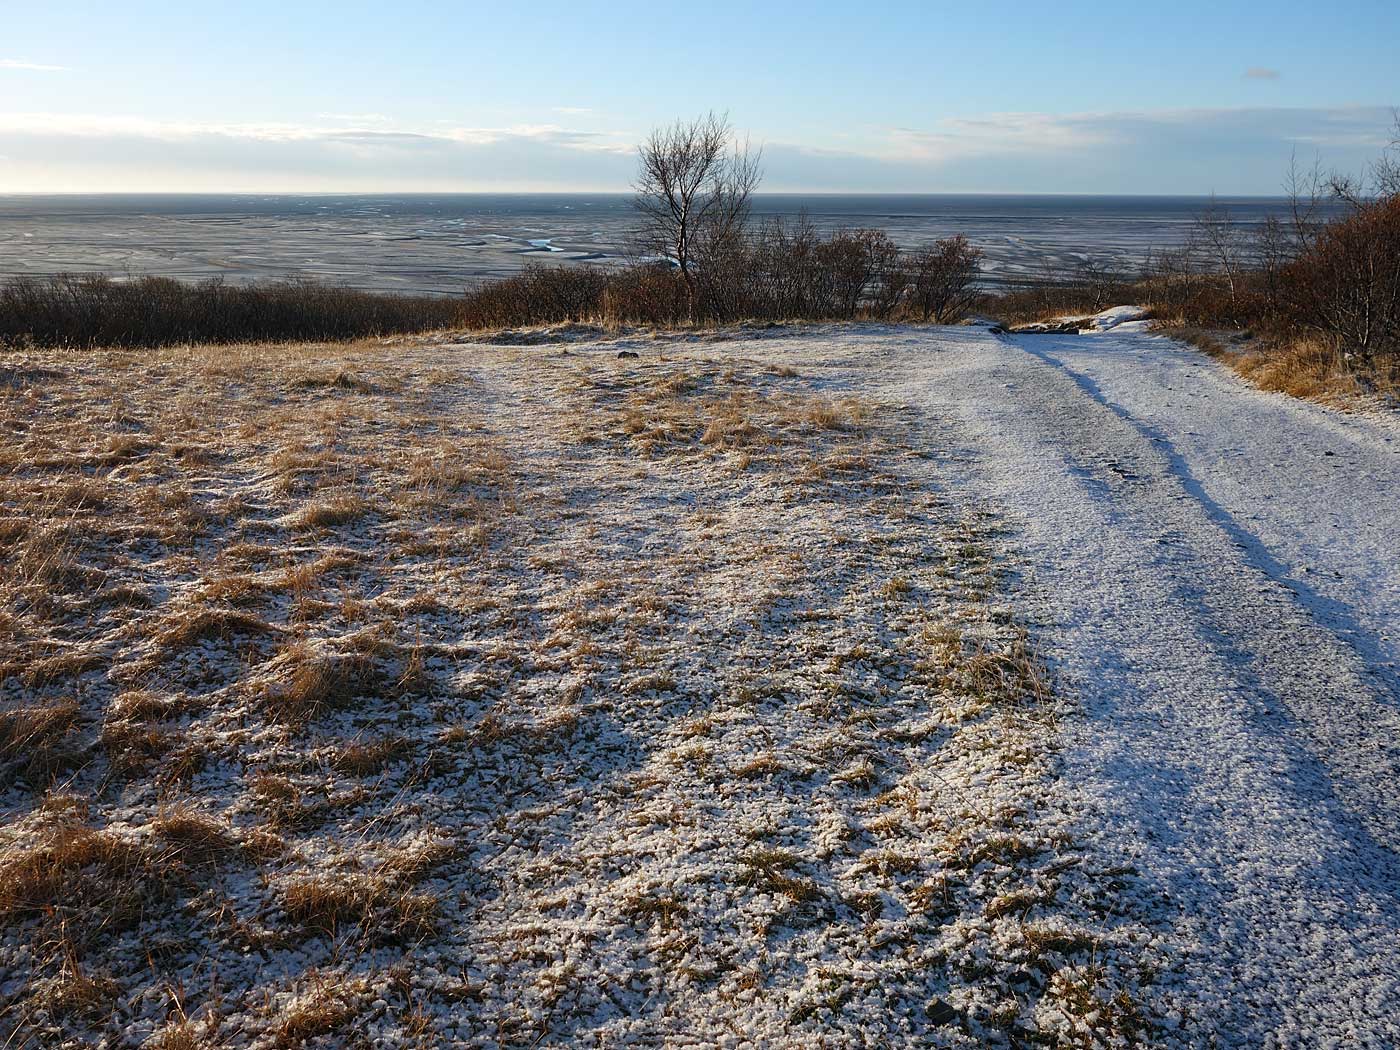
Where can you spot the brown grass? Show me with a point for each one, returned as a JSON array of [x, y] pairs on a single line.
[[1310, 367], [309, 682], [37, 742], [191, 626], [330, 737], [75, 992], [194, 837], [381, 909], [362, 758], [131, 748], [83, 881], [326, 1006], [331, 511]]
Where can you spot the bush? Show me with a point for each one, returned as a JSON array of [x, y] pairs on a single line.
[[1346, 282], [791, 271], [86, 311], [784, 271], [942, 279], [649, 293], [538, 295]]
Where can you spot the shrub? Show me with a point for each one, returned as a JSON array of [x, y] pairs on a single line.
[[942, 279], [88, 310], [648, 293], [537, 295], [1346, 282], [783, 271]]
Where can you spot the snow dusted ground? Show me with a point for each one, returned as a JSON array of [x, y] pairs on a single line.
[[1218, 572], [518, 695], [506, 693]]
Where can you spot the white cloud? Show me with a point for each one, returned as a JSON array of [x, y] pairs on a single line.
[[1240, 150], [71, 151], [354, 118], [993, 134], [1010, 134], [30, 67], [1158, 151], [364, 131]]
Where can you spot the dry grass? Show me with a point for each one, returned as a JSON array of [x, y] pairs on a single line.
[[190, 626], [306, 683], [332, 511], [195, 838], [87, 882], [37, 742], [667, 658], [362, 758], [327, 1006], [1311, 368], [380, 908]]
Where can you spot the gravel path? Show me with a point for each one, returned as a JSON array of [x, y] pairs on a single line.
[[1218, 577]]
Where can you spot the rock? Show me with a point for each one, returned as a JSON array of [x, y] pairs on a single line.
[[940, 1013], [1069, 326]]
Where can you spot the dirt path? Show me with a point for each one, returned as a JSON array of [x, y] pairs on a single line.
[[1217, 574]]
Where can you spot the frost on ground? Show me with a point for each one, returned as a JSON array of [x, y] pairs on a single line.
[[414, 695], [1216, 571]]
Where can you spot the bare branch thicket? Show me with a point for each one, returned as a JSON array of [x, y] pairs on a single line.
[[1219, 239], [1307, 192], [890, 277], [1385, 169], [943, 279], [1097, 282], [83, 310], [1380, 180], [1275, 248], [785, 258], [1347, 284], [693, 192]]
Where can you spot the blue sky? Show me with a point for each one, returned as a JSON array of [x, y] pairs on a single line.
[[879, 96]]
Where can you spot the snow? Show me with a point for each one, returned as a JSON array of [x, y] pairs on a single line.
[[710, 716], [1217, 577], [1115, 317], [668, 659]]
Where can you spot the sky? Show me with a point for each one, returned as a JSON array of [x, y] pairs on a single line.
[[880, 96]]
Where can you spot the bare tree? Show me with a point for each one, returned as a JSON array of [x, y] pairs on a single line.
[[693, 191], [1216, 236], [1097, 281], [1275, 247], [1381, 181], [1306, 192]]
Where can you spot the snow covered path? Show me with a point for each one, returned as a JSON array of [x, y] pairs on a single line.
[[1218, 575]]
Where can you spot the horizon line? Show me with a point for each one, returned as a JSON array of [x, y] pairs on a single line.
[[624, 193]]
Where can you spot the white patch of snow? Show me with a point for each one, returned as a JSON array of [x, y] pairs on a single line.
[[1217, 573], [1115, 317]]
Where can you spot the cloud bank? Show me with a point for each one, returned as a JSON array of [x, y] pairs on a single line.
[[1167, 151], [30, 67]]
